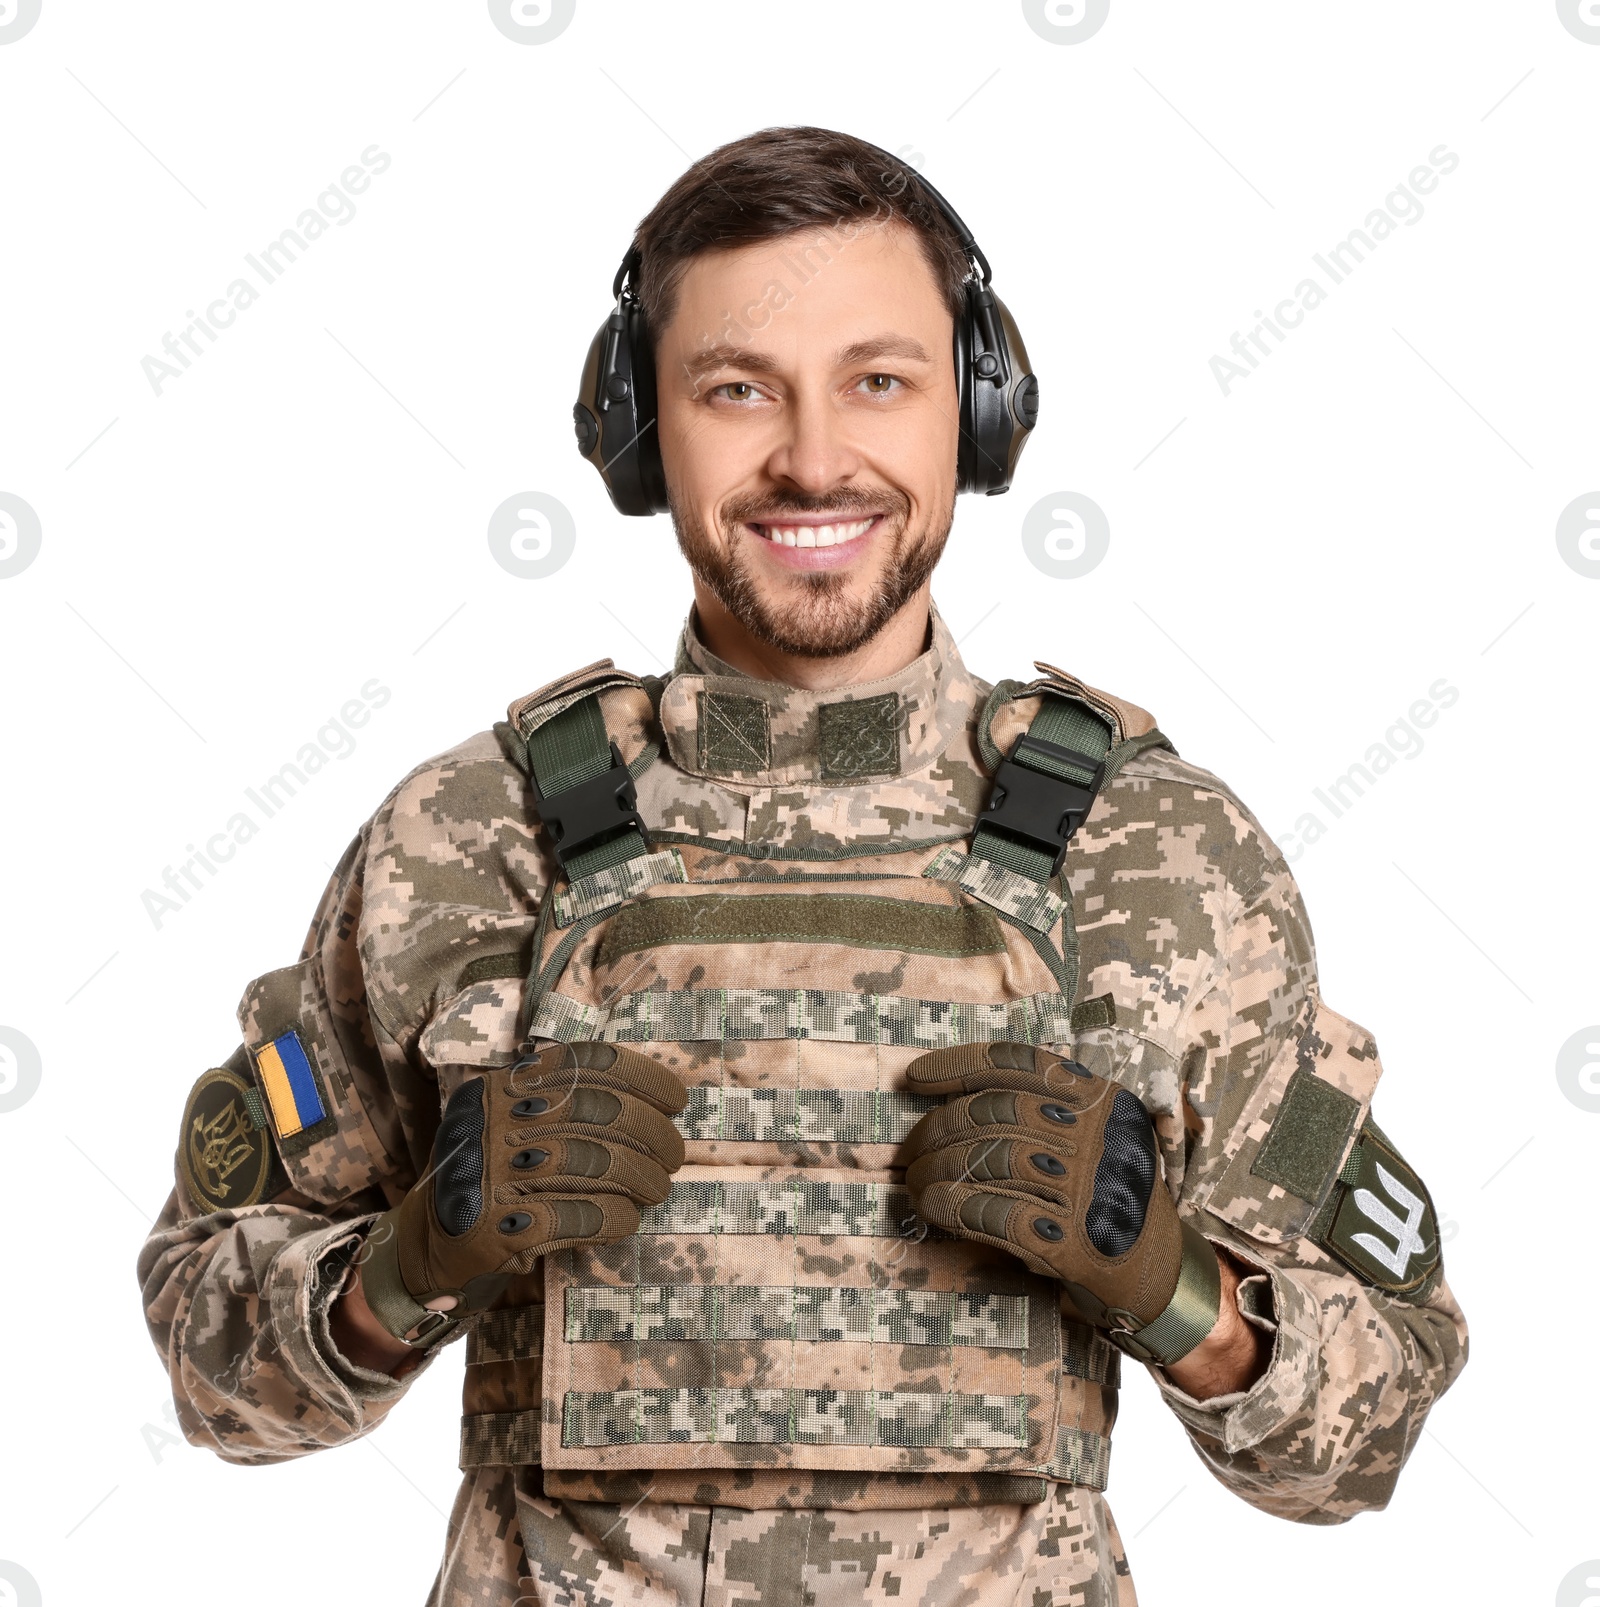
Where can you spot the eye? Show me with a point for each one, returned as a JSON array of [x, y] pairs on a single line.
[[737, 390], [879, 384]]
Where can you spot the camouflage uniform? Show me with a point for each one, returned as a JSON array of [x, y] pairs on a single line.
[[784, 1388]]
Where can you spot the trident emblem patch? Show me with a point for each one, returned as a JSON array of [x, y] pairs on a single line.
[[1407, 1242], [1383, 1225]]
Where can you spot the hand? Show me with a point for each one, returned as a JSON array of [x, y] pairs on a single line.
[[562, 1149], [1040, 1157]]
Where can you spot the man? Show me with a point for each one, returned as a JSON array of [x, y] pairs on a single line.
[[805, 1076]]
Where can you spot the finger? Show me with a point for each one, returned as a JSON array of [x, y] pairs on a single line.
[[1033, 1167], [570, 1165], [1022, 1226], [971, 1068], [975, 1115], [605, 1065], [542, 1224], [622, 1117]]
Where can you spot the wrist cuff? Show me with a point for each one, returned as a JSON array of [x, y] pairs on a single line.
[[387, 1297], [1189, 1315]]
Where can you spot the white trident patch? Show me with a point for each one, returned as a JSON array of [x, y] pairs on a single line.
[[1406, 1240]]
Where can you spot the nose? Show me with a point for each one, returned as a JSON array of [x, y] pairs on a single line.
[[814, 452]]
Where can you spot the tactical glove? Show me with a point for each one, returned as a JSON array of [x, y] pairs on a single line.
[[1042, 1158], [562, 1149]]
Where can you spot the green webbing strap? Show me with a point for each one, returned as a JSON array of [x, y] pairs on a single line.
[[567, 750], [572, 747], [1064, 723]]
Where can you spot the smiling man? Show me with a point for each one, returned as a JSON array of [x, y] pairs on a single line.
[[806, 1077]]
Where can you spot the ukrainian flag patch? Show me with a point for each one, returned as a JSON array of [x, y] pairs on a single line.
[[289, 1084]]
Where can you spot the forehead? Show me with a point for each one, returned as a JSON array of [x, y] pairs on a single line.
[[834, 282]]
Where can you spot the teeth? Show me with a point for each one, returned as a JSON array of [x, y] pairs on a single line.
[[817, 535]]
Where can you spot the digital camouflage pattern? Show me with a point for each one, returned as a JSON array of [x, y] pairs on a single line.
[[1062, 1549], [941, 1448]]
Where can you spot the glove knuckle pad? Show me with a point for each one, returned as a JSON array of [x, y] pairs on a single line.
[[585, 1158], [989, 1162], [995, 1106], [986, 1213], [458, 1160], [598, 1107], [1125, 1178]]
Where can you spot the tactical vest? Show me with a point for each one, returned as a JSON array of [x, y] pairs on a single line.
[[784, 1315]]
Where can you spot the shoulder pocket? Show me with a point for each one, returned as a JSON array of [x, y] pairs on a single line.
[[1297, 1129], [297, 1057]]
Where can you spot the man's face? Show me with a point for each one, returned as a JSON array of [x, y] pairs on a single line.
[[808, 417]]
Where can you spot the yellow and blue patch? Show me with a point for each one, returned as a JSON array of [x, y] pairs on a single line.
[[289, 1084]]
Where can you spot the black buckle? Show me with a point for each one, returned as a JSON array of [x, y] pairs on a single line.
[[1043, 810], [594, 810]]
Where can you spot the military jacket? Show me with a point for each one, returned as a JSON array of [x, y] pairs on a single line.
[[809, 916]]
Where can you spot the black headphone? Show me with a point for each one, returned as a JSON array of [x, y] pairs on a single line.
[[615, 415]]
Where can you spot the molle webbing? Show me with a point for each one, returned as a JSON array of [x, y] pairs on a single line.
[[788, 1208], [851, 919], [795, 1312], [511, 1439], [604, 889], [1031, 902], [745, 1416], [802, 1115], [515, 1335], [725, 1015]]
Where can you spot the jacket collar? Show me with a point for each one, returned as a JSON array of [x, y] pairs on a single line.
[[723, 723]]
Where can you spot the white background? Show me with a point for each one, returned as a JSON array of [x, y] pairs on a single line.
[[1296, 563]]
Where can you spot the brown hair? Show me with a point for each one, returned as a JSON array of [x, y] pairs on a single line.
[[781, 181]]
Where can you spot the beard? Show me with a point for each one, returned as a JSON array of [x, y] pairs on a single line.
[[813, 615]]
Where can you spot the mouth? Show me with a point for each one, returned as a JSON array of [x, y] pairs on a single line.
[[815, 541]]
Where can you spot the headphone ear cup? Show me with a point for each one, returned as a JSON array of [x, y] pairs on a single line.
[[999, 396], [651, 472], [966, 445], [1021, 397], [614, 416], [585, 415]]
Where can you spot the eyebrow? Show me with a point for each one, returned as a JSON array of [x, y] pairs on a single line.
[[722, 355]]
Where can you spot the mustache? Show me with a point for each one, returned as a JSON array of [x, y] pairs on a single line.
[[771, 510]]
